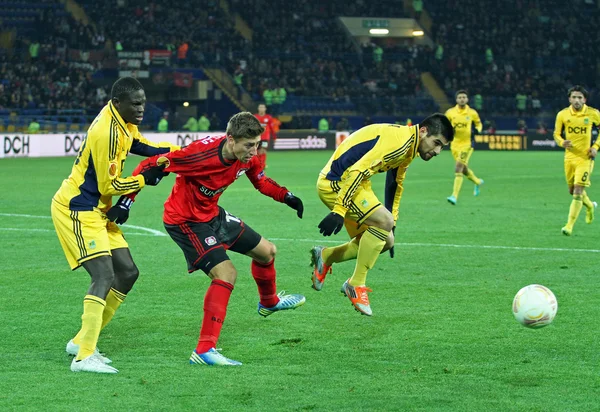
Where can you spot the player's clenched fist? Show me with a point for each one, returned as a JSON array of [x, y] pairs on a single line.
[[332, 224]]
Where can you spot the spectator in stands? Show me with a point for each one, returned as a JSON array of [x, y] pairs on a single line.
[[521, 103], [323, 125], [343, 125], [34, 126], [163, 124], [215, 122], [521, 126], [191, 124], [203, 123]]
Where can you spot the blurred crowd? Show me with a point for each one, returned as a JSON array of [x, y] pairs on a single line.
[[515, 59]]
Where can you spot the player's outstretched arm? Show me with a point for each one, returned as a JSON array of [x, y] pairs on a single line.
[[295, 203], [144, 147]]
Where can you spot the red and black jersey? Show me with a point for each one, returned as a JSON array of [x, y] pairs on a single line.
[[266, 121], [202, 176]]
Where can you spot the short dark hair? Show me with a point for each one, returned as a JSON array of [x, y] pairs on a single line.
[[461, 91], [438, 123], [244, 126], [578, 88], [125, 85]]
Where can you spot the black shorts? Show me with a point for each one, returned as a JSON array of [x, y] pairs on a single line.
[[204, 245]]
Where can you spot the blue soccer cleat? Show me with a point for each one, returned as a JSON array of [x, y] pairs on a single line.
[[285, 302], [476, 189], [451, 200], [212, 357]]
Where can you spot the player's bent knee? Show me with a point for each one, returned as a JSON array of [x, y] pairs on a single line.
[[224, 271]]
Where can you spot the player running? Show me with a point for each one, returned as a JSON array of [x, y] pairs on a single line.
[[204, 231], [345, 188], [463, 118], [576, 122]]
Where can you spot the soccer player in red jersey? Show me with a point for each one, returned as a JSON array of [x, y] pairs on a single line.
[[205, 231], [266, 121]]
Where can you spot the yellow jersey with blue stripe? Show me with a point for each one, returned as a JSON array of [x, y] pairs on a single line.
[[462, 121], [577, 127], [96, 173], [373, 149]]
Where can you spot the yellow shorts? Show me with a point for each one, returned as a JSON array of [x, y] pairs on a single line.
[[363, 204], [85, 235], [462, 154], [579, 172]]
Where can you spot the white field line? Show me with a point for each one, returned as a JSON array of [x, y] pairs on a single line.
[[153, 232]]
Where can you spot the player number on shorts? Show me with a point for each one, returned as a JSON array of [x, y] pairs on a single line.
[[231, 218], [584, 177]]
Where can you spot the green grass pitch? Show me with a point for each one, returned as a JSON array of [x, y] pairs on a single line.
[[442, 336]]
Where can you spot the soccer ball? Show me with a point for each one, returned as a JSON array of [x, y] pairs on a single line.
[[535, 306]]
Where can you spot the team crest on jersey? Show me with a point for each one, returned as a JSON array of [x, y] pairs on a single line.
[[112, 170], [240, 172], [163, 161], [92, 244], [364, 203], [468, 118], [586, 120], [210, 241]]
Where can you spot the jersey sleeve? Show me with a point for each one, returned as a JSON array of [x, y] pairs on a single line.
[[143, 147], [264, 184], [186, 161], [108, 168], [477, 121], [558, 126], [394, 187]]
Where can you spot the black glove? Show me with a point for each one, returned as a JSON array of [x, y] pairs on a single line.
[[332, 224], [119, 213], [294, 202], [392, 248], [154, 174]]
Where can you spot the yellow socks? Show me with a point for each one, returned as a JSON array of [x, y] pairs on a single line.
[[458, 181], [91, 322], [341, 253], [574, 210], [113, 301], [586, 201], [369, 248], [471, 176]]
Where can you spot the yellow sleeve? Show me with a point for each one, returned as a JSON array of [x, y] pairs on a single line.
[[596, 122], [558, 126], [144, 147], [477, 121], [107, 167], [363, 169]]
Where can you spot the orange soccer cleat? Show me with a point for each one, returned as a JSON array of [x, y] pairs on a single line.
[[359, 297]]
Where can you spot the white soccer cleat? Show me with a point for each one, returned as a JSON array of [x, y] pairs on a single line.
[[73, 348], [92, 364]]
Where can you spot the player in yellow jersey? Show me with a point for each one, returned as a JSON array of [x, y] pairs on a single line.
[[84, 220], [463, 118], [345, 188], [576, 122]]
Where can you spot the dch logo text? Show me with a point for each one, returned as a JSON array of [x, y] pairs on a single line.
[[16, 145], [73, 143]]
